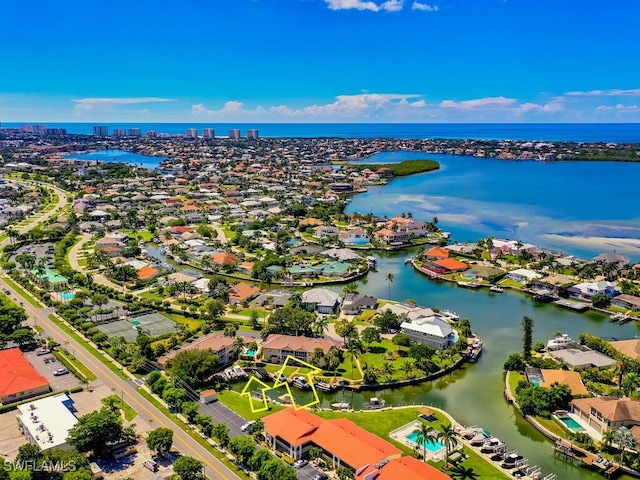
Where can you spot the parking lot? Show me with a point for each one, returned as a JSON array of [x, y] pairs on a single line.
[[45, 365], [132, 466]]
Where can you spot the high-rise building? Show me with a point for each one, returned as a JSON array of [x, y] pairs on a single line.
[[101, 130], [39, 129], [119, 132], [55, 131], [26, 128], [234, 133], [208, 133], [191, 133], [152, 134], [134, 132], [252, 134]]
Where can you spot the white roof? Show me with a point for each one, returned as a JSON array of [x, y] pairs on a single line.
[[320, 296], [137, 264], [429, 325], [526, 273], [48, 420]]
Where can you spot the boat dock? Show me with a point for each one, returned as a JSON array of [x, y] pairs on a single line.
[[570, 451], [572, 304]]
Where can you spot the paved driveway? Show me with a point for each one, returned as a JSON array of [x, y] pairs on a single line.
[[46, 365]]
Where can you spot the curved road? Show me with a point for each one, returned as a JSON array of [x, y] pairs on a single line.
[[182, 441], [62, 202]]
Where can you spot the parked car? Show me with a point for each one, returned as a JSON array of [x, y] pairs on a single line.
[[300, 463], [247, 425], [60, 371], [7, 292], [320, 476], [43, 351]]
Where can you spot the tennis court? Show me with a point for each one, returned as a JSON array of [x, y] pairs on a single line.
[[149, 323]]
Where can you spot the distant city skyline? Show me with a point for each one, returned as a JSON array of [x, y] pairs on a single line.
[[325, 61]]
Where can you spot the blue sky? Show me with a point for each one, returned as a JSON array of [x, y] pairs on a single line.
[[320, 61]]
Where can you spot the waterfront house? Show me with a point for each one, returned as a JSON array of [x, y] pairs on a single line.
[[433, 331], [274, 298], [322, 300], [586, 290], [630, 347], [355, 236], [436, 253], [582, 359], [609, 413], [343, 443], [630, 302], [547, 377], [277, 347], [354, 303], [390, 237], [523, 275], [242, 292], [611, 258]]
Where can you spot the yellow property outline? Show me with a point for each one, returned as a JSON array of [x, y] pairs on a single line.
[[314, 370], [246, 392]]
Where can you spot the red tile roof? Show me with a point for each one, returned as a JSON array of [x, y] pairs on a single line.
[[17, 375], [147, 272], [292, 426], [409, 468], [224, 257], [242, 291], [451, 264], [437, 252]]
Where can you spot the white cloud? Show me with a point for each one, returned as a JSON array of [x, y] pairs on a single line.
[[231, 106], [388, 6], [424, 7], [478, 103], [550, 107], [88, 104], [418, 104], [615, 92], [619, 108]]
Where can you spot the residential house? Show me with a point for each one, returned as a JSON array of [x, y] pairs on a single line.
[[523, 275], [242, 292], [630, 302], [582, 359], [147, 273], [326, 231], [354, 303], [343, 443], [219, 343], [355, 236], [224, 258], [630, 347], [388, 236], [544, 377], [274, 298], [277, 347], [436, 253], [342, 254], [609, 413], [18, 378], [404, 468], [433, 331], [586, 290], [611, 258], [322, 300]]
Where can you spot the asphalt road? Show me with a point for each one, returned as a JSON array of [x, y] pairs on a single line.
[[214, 469]]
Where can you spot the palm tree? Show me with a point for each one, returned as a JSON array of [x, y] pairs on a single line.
[[447, 436], [464, 473], [607, 439], [238, 346], [422, 437], [621, 368], [387, 370], [407, 368], [320, 325], [389, 278]]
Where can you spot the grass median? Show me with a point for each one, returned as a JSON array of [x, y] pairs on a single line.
[[75, 366], [21, 291]]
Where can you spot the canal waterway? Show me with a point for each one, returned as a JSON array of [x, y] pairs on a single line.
[[531, 201], [583, 208], [120, 156]]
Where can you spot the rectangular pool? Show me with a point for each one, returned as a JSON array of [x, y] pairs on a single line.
[[570, 423], [432, 444]]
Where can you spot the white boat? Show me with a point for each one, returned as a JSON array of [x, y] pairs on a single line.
[[374, 403], [286, 398], [450, 315], [496, 289], [239, 371], [301, 383], [468, 284], [477, 343], [408, 260], [341, 405], [561, 341]]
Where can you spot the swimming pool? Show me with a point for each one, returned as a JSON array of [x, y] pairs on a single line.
[[250, 353], [66, 296], [432, 444], [570, 423]]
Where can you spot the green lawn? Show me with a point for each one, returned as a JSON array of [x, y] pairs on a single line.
[[376, 357], [514, 378], [511, 283], [21, 291], [129, 413], [82, 262], [188, 321], [73, 363], [552, 425], [381, 423], [242, 407]]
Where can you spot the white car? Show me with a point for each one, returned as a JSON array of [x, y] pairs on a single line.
[[300, 463], [61, 371], [247, 425]]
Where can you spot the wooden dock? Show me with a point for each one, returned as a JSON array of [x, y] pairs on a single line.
[[572, 304], [570, 451]]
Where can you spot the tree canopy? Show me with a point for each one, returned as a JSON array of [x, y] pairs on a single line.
[[195, 366]]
